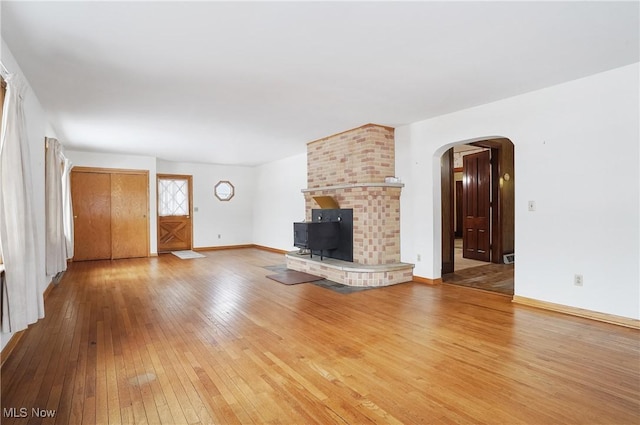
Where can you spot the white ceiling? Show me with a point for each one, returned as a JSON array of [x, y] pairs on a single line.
[[247, 83]]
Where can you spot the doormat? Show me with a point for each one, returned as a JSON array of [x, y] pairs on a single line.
[[185, 255], [322, 282], [293, 277]]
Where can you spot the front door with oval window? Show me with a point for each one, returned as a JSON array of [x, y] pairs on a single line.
[[174, 213]]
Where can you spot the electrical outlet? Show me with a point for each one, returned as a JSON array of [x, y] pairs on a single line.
[[577, 280], [419, 257], [219, 236]]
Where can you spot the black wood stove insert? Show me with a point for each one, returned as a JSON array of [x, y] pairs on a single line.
[[330, 234]]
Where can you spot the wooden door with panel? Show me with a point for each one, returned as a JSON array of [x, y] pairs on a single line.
[[174, 212], [476, 206], [129, 215], [91, 197]]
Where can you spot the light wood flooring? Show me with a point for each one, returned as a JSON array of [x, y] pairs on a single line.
[[212, 340]]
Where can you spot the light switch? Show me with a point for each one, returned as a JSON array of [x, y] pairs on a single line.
[[532, 205]]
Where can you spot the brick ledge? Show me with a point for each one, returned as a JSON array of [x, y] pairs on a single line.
[[332, 263], [352, 274], [352, 185]]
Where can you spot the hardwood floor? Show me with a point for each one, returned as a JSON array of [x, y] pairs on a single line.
[[212, 340]]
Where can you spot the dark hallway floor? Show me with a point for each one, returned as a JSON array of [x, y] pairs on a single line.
[[489, 277]]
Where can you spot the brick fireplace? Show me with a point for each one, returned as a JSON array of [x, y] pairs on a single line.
[[351, 167]]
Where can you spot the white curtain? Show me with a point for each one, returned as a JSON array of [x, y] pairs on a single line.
[[56, 242], [22, 299]]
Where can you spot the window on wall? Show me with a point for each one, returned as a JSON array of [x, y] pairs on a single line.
[[224, 190], [173, 197]]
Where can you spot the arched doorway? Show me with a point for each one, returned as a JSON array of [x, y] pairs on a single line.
[[477, 195]]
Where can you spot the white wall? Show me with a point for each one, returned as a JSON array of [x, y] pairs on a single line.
[[577, 157], [231, 220], [130, 162], [37, 129], [279, 201]]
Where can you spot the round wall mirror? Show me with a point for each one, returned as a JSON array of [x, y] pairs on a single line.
[[224, 190]]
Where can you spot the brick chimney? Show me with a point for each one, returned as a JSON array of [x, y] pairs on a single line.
[[351, 167]]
